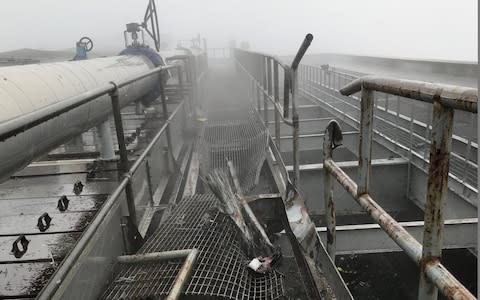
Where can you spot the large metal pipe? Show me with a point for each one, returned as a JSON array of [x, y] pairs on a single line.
[[25, 89]]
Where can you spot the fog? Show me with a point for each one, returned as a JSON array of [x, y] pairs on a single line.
[[433, 29]]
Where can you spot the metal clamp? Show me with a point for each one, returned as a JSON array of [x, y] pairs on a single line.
[[22, 240], [62, 203], [43, 222], [78, 187], [332, 139]]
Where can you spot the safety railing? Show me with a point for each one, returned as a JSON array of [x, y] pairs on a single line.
[[141, 167], [433, 275], [264, 73], [399, 124]]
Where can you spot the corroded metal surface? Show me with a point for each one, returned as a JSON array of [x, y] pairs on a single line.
[[436, 272], [437, 190], [332, 139], [448, 95]]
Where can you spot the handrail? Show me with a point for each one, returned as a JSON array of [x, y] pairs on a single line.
[[27, 121], [455, 97], [270, 83], [445, 99], [60, 274], [459, 173]]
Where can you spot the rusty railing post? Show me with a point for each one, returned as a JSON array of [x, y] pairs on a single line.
[[276, 96], [437, 189], [366, 138], [331, 139], [117, 116]]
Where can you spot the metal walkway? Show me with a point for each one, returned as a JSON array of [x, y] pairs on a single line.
[[220, 270]]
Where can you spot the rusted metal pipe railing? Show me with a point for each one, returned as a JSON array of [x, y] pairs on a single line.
[[455, 97], [445, 99], [447, 283]]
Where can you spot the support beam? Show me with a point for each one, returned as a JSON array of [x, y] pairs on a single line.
[[370, 238]]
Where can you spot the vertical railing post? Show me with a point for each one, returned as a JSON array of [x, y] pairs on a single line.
[[165, 117], [117, 116], [437, 189], [296, 126], [149, 181], [366, 137], [468, 151], [276, 95], [259, 108], [269, 85], [397, 122], [331, 139], [296, 129], [264, 87], [286, 92]]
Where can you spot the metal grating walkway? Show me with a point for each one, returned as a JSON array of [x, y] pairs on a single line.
[[220, 271]]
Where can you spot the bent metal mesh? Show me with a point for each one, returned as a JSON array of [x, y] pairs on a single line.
[[220, 271], [237, 135]]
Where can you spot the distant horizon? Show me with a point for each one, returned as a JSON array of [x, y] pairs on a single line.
[[111, 51]]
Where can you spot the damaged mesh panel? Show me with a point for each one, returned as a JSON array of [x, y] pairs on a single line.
[[220, 271], [237, 135]]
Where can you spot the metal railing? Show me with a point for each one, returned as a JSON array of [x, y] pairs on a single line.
[[13, 127], [398, 124], [433, 275], [184, 274], [264, 73]]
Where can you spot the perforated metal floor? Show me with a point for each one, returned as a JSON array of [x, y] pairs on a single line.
[[220, 271]]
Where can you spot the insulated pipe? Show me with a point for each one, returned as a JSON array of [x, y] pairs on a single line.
[[25, 89]]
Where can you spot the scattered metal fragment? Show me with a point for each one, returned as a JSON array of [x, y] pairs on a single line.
[[235, 205]]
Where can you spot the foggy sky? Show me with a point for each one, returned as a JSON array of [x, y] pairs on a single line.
[[435, 29]]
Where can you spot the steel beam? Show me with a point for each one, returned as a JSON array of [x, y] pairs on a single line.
[[370, 238]]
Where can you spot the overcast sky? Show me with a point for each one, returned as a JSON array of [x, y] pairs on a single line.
[[437, 29]]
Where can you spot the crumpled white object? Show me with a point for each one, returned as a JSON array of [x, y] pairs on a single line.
[[260, 264]]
